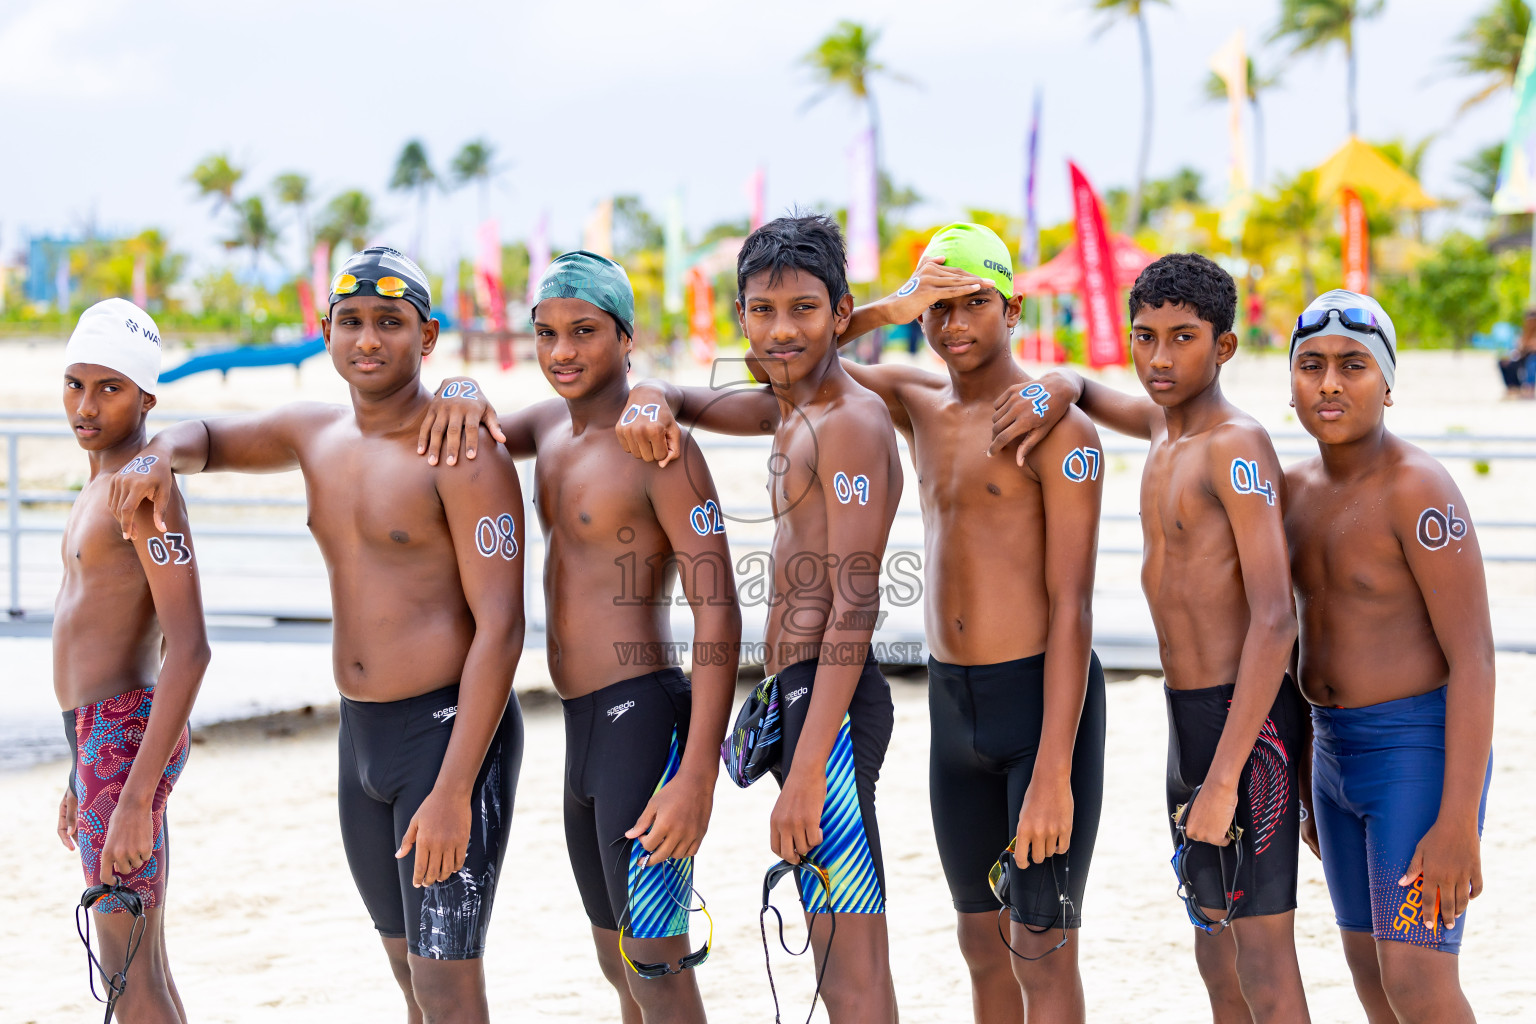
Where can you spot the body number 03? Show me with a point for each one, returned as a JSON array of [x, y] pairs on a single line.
[[1245, 480], [846, 488], [174, 546], [496, 536]]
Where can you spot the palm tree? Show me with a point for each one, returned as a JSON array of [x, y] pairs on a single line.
[[844, 60], [1136, 9], [292, 189], [1317, 24], [1491, 46], [474, 163], [1216, 92], [253, 230], [348, 218], [1296, 215], [414, 173], [216, 177]]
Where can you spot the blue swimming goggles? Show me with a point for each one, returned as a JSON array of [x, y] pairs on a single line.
[[1355, 318], [1197, 915]]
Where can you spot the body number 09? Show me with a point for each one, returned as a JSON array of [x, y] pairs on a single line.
[[846, 488]]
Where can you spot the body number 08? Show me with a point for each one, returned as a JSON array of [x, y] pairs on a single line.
[[496, 536]]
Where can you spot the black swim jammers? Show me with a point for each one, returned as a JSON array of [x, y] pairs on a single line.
[[390, 756], [622, 744], [1268, 797], [986, 722]]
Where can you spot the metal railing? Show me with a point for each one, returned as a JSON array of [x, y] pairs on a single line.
[[1477, 448]]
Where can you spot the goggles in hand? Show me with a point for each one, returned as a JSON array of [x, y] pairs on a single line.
[[651, 972], [1197, 915], [998, 879], [770, 880], [116, 983]]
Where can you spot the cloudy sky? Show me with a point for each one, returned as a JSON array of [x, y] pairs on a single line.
[[108, 104]]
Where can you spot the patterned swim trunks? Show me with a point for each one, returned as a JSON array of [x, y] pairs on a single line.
[[105, 738]]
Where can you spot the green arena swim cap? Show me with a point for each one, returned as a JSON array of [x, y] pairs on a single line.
[[976, 250], [597, 279]]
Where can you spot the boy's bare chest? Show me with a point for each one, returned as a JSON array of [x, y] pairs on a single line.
[[1343, 546], [1178, 509], [953, 471], [372, 494], [588, 491], [93, 548]]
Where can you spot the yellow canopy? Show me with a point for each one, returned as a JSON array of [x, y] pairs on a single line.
[[1358, 165]]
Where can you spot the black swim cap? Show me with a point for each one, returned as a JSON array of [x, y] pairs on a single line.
[[364, 271]]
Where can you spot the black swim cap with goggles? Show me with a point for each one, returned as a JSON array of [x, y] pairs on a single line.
[[388, 273]]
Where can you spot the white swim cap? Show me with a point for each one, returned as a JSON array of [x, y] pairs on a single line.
[[120, 336]]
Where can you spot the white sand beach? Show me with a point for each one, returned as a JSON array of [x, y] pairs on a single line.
[[264, 923]]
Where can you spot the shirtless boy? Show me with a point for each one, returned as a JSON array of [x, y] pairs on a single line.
[[426, 579], [642, 751], [1216, 581], [1397, 659], [1016, 698], [129, 650]]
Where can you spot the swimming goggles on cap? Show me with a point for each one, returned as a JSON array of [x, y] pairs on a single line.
[[998, 877], [388, 287], [770, 880], [651, 972], [1355, 318], [1197, 915], [116, 984]]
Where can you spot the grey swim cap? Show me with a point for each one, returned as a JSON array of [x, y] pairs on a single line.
[[1383, 351]]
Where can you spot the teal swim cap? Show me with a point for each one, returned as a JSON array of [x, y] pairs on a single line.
[[593, 278]]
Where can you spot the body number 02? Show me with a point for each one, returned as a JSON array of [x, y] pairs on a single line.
[[846, 488], [461, 389], [706, 519], [174, 546], [1081, 464], [496, 536], [1245, 480]]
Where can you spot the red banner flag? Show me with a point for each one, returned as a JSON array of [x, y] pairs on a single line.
[[307, 308], [320, 278], [701, 315], [1357, 244], [1101, 315]]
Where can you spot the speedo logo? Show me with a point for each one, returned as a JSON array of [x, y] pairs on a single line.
[[994, 265], [794, 695], [617, 711], [446, 713], [1411, 911]]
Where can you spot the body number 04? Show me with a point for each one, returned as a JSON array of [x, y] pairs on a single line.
[[1039, 398], [1245, 480], [496, 536]]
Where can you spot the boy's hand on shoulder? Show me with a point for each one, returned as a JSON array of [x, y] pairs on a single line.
[[794, 828], [69, 819], [647, 429], [931, 282], [1027, 412], [1210, 819], [439, 831], [130, 842], [675, 819], [453, 420], [147, 477], [1045, 820], [1449, 858]]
